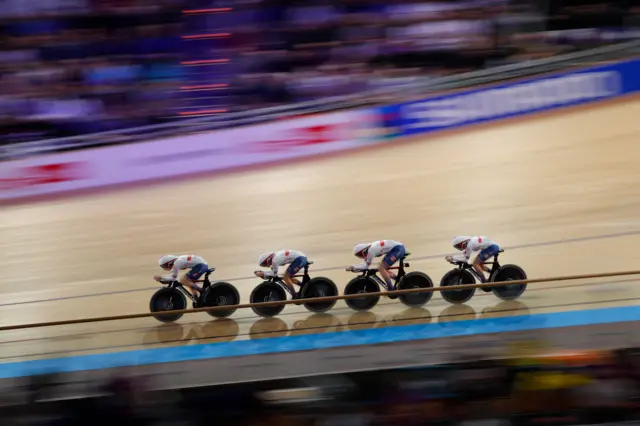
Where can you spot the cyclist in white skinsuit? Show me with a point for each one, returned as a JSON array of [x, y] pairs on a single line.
[[197, 265], [487, 248], [274, 260], [390, 249]]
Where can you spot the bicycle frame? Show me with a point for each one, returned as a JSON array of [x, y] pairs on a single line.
[[206, 284], [280, 282], [495, 265], [373, 274], [184, 291], [205, 281]]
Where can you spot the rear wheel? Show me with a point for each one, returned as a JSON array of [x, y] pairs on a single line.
[[267, 292], [362, 285], [415, 280], [509, 273], [319, 287], [167, 299], [221, 294], [457, 277]]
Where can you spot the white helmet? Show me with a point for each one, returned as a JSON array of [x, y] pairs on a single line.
[[166, 261], [265, 259], [460, 242], [361, 250]]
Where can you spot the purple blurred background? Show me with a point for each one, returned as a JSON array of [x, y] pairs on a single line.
[[71, 67]]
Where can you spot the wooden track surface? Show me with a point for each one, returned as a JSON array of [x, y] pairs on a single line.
[[562, 190]]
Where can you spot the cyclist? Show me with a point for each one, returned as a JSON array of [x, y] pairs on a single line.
[[274, 260], [487, 248], [197, 267], [390, 249]]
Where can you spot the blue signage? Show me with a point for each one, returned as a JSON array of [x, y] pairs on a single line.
[[511, 99]]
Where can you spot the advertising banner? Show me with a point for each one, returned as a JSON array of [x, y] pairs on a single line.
[[510, 100], [206, 152], [308, 136], [44, 174]]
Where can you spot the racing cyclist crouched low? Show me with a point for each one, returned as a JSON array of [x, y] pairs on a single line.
[[275, 259], [390, 249], [469, 245], [197, 267]]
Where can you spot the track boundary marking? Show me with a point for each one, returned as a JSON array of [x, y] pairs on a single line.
[[320, 341]]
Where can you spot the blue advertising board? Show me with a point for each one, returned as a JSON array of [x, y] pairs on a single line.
[[511, 99]]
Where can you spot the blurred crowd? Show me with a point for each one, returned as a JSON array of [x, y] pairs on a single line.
[[71, 67], [68, 68], [299, 50], [576, 389]]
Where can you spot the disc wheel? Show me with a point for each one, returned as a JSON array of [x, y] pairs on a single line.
[[415, 280], [221, 294], [267, 292], [167, 299], [509, 273], [362, 285], [457, 277], [319, 287]]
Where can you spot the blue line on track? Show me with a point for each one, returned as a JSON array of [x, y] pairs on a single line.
[[320, 341]]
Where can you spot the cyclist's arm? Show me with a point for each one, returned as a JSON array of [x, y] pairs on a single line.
[[465, 256], [174, 274], [374, 251], [278, 260]]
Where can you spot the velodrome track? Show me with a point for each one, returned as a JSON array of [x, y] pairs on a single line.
[[559, 191]]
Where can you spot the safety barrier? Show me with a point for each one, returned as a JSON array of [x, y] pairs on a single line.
[[369, 98], [317, 299]]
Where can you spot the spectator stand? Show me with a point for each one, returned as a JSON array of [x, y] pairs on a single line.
[[83, 67], [87, 69]]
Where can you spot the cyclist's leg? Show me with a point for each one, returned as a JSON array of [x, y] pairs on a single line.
[[190, 278], [483, 256], [292, 270], [388, 261]]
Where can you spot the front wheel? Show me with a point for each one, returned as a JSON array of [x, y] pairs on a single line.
[[319, 287], [267, 292], [509, 273], [457, 277], [362, 285], [167, 299], [415, 280], [221, 294]]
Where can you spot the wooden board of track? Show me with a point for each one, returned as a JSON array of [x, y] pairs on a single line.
[[560, 191]]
